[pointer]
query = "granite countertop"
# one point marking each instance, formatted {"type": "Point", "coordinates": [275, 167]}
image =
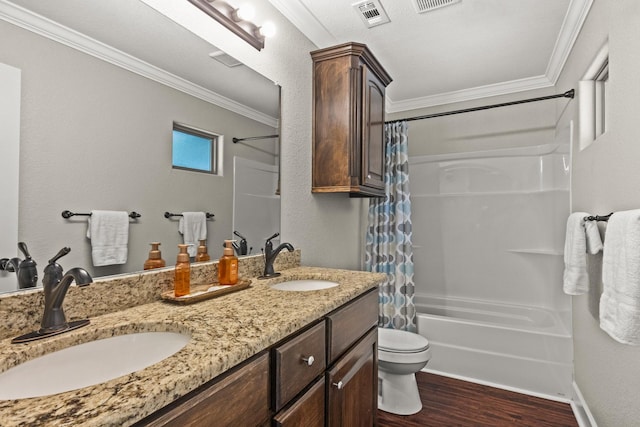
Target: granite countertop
{"type": "Point", "coordinates": [224, 332]}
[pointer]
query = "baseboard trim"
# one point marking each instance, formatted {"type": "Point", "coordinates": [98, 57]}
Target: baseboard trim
{"type": "Point", "coordinates": [502, 386]}
{"type": "Point", "coordinates": [581, 409]}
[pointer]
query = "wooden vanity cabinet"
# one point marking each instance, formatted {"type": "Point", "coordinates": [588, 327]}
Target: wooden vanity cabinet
{"type": "Point", "coordinates": [348, 121]}
{"type": "Point", "coordinates": [350, 385]}
{"type": "Point", "coordinates": [239, 397]}
{"type": "Point", "coordinates": [325, 375]}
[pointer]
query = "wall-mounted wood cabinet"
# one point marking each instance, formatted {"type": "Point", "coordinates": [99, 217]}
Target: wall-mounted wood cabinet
{"type": "Point", "coordinates": [348, 121]}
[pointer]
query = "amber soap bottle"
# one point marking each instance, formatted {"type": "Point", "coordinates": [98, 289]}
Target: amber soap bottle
{"type": "Point", "coordinates": [155, 258]}
{"type": "Point", "coordinates": [202, 254]}
{"type": "Point", "coordinates": [182, 280]}
{"type": "Point", "coordinates": [228, 265]}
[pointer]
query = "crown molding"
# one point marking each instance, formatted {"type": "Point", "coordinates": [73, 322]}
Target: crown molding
{"type": "Point", "coordinates": [571, 26]}
{"type": "Point", "coordinates": [504, 88]}
{"type": "Point", "coordinates": [577, 12]}
{"type": "Point", "coordinates": [30, 21]}
{"type": "Point", "coordinates": [305, 21]}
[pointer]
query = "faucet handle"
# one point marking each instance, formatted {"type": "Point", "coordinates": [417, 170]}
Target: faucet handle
{"type": "Point", "coordinates": [23, 248]}
{"type": "Point", "coordinates": [273, 237]}
{"type": "Point", "coordinates": [62, 252]}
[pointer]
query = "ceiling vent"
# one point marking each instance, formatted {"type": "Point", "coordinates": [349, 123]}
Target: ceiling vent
{"type": "Point", "coordinates": [371, 12]}
{"type": "Point", "coordinates": [227, 60]}
{"type": "Point", "coordinates": [423, 6]}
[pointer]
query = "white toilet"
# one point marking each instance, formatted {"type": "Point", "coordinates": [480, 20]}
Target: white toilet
{"type": "Point", "coordinates": [400, 355]}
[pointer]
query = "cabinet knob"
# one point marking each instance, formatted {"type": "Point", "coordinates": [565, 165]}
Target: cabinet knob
{"type": "Point", "coordinates": [309, 360]}
{"type": "Point", "coordinates": [369, 176]}
{"type": "Point", "coordinates": [338, 385]}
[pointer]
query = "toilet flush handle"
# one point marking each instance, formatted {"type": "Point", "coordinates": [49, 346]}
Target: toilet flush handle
{"type": "Point", "coordinates": [309, 360]}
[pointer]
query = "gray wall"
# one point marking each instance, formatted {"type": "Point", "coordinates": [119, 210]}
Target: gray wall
{"type": "Point", "coordinates": [606, 177]}
{"type": "Point", "coordinates": [95, 136]}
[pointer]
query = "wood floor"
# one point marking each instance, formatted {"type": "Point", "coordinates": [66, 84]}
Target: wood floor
{"type": "Point", "coordinates": [448, 402]}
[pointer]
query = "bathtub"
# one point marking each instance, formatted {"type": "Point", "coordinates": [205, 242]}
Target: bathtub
{"type": "Point", "coordinates": [521, 348]}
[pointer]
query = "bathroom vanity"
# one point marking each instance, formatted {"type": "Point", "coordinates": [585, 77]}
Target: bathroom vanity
{"type": "Point", "coordinates": [336, 357]}
{"type": "Point", "coordinates": [254, 357]}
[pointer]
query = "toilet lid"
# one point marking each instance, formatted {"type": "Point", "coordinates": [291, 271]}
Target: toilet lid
{"type": "Point", "coordinates": [401, 341]}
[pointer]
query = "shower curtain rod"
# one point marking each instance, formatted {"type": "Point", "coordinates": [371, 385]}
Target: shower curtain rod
{"type": "Point", "coordinates": [567, 94]}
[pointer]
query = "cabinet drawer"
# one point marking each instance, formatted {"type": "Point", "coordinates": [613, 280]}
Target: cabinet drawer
{"type": "Point", "coordinates": [307, 411]}
{"type": "Point", "coordinates": [238, 399]}
{"type": "Point", "coordinates": [298, 362]}
{"type": "Point", "coordinates": [351, 322]}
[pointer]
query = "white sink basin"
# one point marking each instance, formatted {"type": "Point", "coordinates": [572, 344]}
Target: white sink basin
{"type": "Point", "coordinates": [304, 285]}
{"type": "Point", "coordinates": [88, 364]}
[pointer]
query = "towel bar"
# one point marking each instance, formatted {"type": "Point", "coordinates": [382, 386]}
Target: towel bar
{"type": "Point", "coordinates": [598, 217]}
{"type": "Point", "coordinates": [169, 215]}
{"type": "Point", "coordinates": [69, 214]}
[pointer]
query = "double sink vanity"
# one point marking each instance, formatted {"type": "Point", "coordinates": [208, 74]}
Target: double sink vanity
{"type": "Point", "coordinates": [259, 356]}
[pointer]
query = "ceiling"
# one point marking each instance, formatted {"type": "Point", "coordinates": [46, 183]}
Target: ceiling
{"type": "Point", "coordinates": [466, 50]}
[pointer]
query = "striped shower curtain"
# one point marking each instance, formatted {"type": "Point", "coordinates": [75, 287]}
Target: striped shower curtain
{"type": "Point", "coordinates": [388, 239]}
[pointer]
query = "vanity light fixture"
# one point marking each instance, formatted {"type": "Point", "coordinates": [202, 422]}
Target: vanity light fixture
{"type": "Point", "coordinates": [237, 20]}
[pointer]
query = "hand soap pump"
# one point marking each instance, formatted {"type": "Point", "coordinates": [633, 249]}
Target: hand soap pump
{"type": "Point", "coordinates": [202, 254]}
{"type": "Point", "coordinates": [182, 279]}
{"type": "Point", "coordinates": [155, 258]}
{"type": "Point", "coordinates": [228, 265]}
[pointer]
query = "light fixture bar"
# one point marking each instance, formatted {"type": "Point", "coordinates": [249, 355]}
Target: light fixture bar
{"type": "Point", "coordinates": [226, 15]}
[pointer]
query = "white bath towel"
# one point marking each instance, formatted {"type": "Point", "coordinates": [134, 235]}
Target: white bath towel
{"type": "Point", "coordinates": [594, 241]}
{"type": "Point", "coordinates": [193, 227]}
{"type": "Point", "coordinates": [576, 278]}
{"type": "Point", "coordinates": [620, 300]}
{"type": "Point", "coordinates": [109, 234]}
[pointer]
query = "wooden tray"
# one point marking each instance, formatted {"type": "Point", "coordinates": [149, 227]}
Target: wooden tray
{"type": "Point", "coordinates": [202, 292]}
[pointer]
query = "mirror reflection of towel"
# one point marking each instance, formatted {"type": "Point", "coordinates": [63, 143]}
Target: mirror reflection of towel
{"type": "Point", "coordinates": [109, 234]}
{"type": "Point", "coordinates": [193, 227]}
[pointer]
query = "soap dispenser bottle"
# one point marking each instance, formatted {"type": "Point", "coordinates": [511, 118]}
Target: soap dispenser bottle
{"type": "Point", "coordinates": [155, 257]}
{"type": "Point", "coordinates": [228, 265]}
{"type": "Point", "coordinates": [202, 254]}
{"type": "Point", "coordinates": [182, 280]}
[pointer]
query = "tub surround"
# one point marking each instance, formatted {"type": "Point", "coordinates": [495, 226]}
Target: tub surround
{"type": "Point", "coordinates": [224, 332]}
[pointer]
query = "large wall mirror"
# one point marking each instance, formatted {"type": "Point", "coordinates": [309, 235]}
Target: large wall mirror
{"type": "Point", "coordinates": [101, 85]}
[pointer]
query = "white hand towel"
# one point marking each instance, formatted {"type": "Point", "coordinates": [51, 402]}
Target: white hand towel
{"type": "Point", "coordinates": [576, 278]}
{"type": "Point", "coordinates": [193, 227]}
{"type": "Point", "coordinates": [620, 300]}
{"type": "Point", "coordinates": [594, 241]}
{"type": "Point", "coordinates": [109, 234]}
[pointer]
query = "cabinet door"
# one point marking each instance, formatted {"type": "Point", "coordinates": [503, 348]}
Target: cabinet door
{"type": "Point", "coordinates": [238, 399]}
{"type": "Point", "coordinates": [353, 385]}
{"type": "Point", "coordinates": [308, 411]}
{"type": "Point", "coordinates": [373, 141]}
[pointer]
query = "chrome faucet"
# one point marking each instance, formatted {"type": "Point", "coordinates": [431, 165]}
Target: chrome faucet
{"type": "Point", "coordinates": [55, 289]}
{"type": "Point", "coordinates": [25, 269]}
{"type": "Point", "coordinates": [270, 255]}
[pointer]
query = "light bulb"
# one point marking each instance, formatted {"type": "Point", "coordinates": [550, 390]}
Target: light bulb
{"type": "Point", "coordinates": [246, 12]}
{"type": "Point", "coordinates": [268, 29]}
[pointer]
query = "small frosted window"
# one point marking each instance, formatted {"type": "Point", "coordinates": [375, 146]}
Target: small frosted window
{"type": "Point", "coordinates": [194, 149]}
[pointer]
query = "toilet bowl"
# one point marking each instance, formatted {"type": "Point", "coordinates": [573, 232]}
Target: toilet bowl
{"type": "Point", "coordinates": [400, 355]}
